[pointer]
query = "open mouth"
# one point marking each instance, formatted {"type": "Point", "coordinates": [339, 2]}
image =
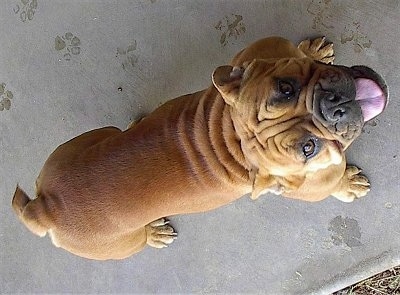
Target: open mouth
{"type": "Point", "coordinates": [345, 98]}
{"type": "Point", "coordinates": [371, 91]}
{"type": "Point", "coordinates": [370, 97]}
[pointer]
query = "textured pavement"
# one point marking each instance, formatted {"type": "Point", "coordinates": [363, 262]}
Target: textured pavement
{"type": "Point", "coordinates": [70, 66]}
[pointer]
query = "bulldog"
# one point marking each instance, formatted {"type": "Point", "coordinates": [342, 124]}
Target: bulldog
{"type": "Point", "coordinates": [277, 119]}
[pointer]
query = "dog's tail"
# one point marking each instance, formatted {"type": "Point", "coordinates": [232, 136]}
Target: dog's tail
{"type": "Point", "coordinates": [29, 211]}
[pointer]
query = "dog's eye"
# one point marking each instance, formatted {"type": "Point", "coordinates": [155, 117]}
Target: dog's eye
{"type": "Point", "coordinates": [286, 88]}
{"type": "Point", "coordinates": [309, 148]}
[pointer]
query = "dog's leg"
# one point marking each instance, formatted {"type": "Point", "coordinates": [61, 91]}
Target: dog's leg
{"type": "Point", "coordinates": [318, 50]}
{"type": "Point", "coordinates": [352, 185]}
{"type": "Point", "coordinates": [160, 234]}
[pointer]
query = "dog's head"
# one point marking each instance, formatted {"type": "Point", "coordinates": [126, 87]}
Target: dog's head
{"type": "Point", "coordinates": [295, 116]}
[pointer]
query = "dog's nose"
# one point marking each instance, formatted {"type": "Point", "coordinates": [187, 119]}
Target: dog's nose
{"type": "Point", "coordinates": [337, 111]}
{"type": "Point", "coordinates": [335, 107]}
{"type": "Point", "coordinates": [335, 97]}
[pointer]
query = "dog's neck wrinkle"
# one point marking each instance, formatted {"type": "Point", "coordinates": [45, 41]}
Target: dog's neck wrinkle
{"type": "Point", "coordinates": [223, 133]}
{"type": "Point", "coordinates": [214, 148]}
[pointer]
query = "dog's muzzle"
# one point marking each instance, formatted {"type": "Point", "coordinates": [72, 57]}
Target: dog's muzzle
{"type": "Point", "coordinates": [345, 98]}
{"type": "Point", "coordinates": [335, 105]}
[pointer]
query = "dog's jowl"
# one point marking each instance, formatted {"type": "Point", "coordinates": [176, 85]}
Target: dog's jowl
{"type": "Point", "coordinates": [277, 119]}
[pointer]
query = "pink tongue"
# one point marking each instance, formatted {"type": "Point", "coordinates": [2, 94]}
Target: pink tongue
{"type": "Point", "coordinates": [371, 98]}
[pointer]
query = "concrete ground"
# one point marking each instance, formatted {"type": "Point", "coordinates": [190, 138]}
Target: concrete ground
{"type": "Point", "coordinates": [70, 66]}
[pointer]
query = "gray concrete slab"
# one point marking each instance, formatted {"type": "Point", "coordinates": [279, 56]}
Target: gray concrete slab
{"type": "Point", "coordinates": [76, 65]}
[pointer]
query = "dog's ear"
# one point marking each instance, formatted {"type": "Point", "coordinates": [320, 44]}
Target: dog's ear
{"type": "Point", "coordinates": [265, 183]}
{"type": "Point", "coordinates": [227, 80]}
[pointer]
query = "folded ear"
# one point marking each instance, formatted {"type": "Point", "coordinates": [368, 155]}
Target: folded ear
{"type": "Point", "coordinates": [265, 184]}
{"type": "Point", "coordinates": [275, 184]}
{"type": "Point", "coordinates": [227, 80]}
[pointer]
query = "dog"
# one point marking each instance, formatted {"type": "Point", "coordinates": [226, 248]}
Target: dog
{"type": "Point", "coordinates": [277, 119]}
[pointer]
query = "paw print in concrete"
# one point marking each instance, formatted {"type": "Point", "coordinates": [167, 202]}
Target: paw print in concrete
{"type": "Point", "coordinates": [5, 96]}
{"type": "Point", "coordinates": [68, 44]}
{"type": "Point", "coordinates": [345, 231]}
{"type": "Point", "coordinates": [231, 27]}
{"type": "Point", "coordinates": [26, 9]}
{"type": "Point", "coordinates": [353, 34]}
{"type": "Point", "coordinates": [127, 56]}
{"type": "Point", "coordinates": [322, 14]}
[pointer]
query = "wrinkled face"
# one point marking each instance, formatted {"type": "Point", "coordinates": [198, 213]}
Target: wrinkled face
{"type": "Point", "coordinates": [294, 116]}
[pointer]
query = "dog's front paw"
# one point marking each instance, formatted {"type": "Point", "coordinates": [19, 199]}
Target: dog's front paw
{"type": "Point", "coordinates": [318, 50]}
{"type": "Point", "coordinates": [353, 185]}
{"type": "Point", "coordinates": [160, 234]}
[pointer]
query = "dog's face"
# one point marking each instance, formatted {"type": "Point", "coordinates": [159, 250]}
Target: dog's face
{"type": "Point", "coordinates": [295, 116]}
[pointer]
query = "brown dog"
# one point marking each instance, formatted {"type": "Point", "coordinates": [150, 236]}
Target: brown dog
{"type": "Point", "coordinates": [278, 119]}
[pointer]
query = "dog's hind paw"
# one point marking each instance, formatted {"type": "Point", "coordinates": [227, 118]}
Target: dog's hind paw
{"type": "Point", "coordinates": [318, 50]}
{"type": "Point", "coordinates": [160, 234]}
